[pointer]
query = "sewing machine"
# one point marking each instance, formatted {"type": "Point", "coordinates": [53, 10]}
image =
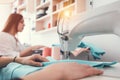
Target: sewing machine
{"type": "Point", "coordinates": [103, 20]}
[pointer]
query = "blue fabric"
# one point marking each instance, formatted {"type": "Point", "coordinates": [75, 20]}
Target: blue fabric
{"type": "Point", "coordinates": [14, 70]}
{"type": "Point", "coordinates": [90, 63]}
{"type": "Point", "coordinates": [96, 52]}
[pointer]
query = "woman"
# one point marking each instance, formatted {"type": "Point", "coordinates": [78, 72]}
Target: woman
{"type": "Point", "coordinates": [9, 43]}
{"type": "Point", "coordinates": [56, 71]}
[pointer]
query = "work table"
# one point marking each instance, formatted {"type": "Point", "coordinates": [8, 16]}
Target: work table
{"type": "Point", "coordinates": [110, 73]}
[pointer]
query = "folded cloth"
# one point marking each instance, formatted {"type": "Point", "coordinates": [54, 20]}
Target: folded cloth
{"type": "Point", "coordinates": [16, 70]}
{"type": "Point", "coordinates": [95, 51]}
{"type": "Point", "coordinates": [90, 63]}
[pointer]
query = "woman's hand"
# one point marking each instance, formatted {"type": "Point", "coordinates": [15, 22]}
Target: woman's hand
{"type": "Point", "coordinates": [28, 51]}
{"type": "Point", "coordinates": [73, 71]}
{"type": "Point", "coordinates": [33, 60]}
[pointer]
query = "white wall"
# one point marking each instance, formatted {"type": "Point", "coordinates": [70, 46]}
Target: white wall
{"type": "Point", "coordinates": [25, 35]}
{"type": "Point", "coordinates": [5, 10]}
{"type": "Point", "coordinates": [45, 38]}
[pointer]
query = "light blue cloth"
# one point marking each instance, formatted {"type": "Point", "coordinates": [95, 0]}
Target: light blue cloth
{"type": "Point", "coordinates": [96, 52]}
{"type": "Point", "coordinates": [14, 70]}
{"type": "Point", "coordinates": [90, 63]}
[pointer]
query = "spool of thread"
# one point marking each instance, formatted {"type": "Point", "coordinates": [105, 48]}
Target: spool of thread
{"type": "Point", "coordinates": [46, 52]}
{"type": "Point", "coordinates": [55, 53]}
{"type": "Point", "coordinates": [49, 25]}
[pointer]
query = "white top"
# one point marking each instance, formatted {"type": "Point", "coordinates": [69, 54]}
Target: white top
{"type": "Point", "coordinates": [9, 46]}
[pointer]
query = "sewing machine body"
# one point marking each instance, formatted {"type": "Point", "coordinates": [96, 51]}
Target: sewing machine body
{"type": "Point", "coordinates": [103, 20]}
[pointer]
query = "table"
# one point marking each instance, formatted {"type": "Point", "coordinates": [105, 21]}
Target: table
{"type": "Point", "coordinates": [110, 73]}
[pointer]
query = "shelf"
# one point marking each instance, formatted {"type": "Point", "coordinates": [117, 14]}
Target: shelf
{"type": "Point", "coordinates": [46, 4]}
{"type": "Point", "coordinates": [56, 1]}
{"type": "Point", "coordinates": [47, 30]}
{"type": "Point", "coordinates": [54, 8]}
{"type": "Point", "coordinates": [71, 5]}
{"type": "Point", "coordinates": [43, 18]}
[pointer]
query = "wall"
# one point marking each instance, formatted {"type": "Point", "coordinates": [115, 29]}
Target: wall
{"type": "Point", "coordinates": [44, 38]}
{"type": "Point", "coordinates": [5, 10]}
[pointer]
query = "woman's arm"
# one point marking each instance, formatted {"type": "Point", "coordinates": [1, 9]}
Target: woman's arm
{"type": "Point", "coordinates": [30, 60]}
{"type": "Point", "coordinates": [5, 60]}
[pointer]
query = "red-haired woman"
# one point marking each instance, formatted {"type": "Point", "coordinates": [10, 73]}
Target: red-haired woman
{"type": "Point", "coordinates": [9, 43]}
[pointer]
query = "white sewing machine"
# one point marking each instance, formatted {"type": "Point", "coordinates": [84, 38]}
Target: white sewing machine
{"type": "Point", "coordinates": [97, 21]}
{"type": "Point", "coordinates": [103, 20]}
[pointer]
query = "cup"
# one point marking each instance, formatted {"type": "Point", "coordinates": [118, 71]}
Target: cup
{"type": "Point", "coordinates": [46, 52]}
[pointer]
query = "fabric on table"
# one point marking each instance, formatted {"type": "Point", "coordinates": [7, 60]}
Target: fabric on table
{"type": "Point", "coordinates": [14, 70]}
{"type": "Point", "coordinates": [90, 63]}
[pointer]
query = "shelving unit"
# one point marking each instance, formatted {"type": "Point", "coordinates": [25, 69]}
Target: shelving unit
{"type": "Point", "coordinates": [47, 11]}
{"type": "Point", "coordinates": [43, 5]}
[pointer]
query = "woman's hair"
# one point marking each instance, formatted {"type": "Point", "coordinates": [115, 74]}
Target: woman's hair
{"type": "Point", "coordinates": [12, 22]}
